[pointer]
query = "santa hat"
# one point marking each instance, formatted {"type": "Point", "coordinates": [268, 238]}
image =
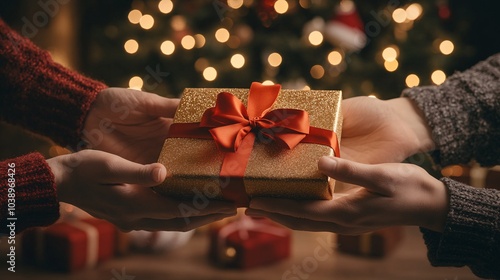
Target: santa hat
{"type": "Point", "coordinates": [346, 29]}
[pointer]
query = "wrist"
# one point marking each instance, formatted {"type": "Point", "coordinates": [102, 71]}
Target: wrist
{"type": "Point", "coordinates": [437, 205]}
{"type": "Point", "coordinates": [413, 117]}
{"type": "Point", "coordinates": [57, 167]}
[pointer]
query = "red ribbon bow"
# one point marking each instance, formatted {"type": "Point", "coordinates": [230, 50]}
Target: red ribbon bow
{"type": "Point", "coordinates": [234, 129]}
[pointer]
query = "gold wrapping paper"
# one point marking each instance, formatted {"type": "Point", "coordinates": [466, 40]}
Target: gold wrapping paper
{"type": "Point", "coordinates": [193, 165]}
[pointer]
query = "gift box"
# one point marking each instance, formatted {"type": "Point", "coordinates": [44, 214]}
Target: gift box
{"type": "Point", "coordinates": [248, 242]}
{"type": "Point", "coordinates": [69, 245]}
{"type": "Point", "coordinates": [378, 243]}
{"type": "Point", "coordinates": [235, 144]}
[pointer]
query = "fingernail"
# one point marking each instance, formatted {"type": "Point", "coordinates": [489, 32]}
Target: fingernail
{"type": "Point", "coordinates": [158, 174]}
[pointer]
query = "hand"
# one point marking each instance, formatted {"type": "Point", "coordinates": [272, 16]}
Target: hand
{"type": "Point", "coordinates": [392, 194]}
{"type": "Point", "coordinates": [129, 123]}
{"type": "Point", "coordinates": [376, 131]}
{"type": "Point", "coordinates": [117, 190]}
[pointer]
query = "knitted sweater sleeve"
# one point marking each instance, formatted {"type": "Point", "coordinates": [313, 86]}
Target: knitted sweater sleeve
{"type": "Point", "coordinates": [46, 98]}
{"type": "Point", "coordinates": [464, 116]}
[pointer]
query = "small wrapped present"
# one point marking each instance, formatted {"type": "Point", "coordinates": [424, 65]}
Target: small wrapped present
{"type": "Point", "coordinates": [70, 245]}
{"type": "Point", "coordinates": [378, 243]}
{"type": "Point", "coordinates": [248, 242]}
{"type": "Point", "coordinates": [235, 144]}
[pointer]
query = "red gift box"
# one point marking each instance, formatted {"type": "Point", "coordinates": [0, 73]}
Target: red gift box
{"type": "Point", "coordinates": [372, 244]}
{"type": "Point", "coordinates": [249, 242]}
{"type": "Point", "coordinates": [70, 245]}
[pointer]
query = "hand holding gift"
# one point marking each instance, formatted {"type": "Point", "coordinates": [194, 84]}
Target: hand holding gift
{"type": "Point", "coordinates": [112, 188]}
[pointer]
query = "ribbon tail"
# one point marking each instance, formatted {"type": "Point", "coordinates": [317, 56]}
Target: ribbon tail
{"type": "Point", "coordinates": [323, 137]}
{"type": "Point", "coordinates": [232, 172]}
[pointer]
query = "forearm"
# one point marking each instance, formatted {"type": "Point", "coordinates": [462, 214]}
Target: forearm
{"type": "Point", "coordinates": [39, 94]}
{"type": "Point", "coordinates": [463, 114]}
{"type": "Point", "coordinates": [31, 190]}
{"type": "Point", "coordinates": [471, 234]}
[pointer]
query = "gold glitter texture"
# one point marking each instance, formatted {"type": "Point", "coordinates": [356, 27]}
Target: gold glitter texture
{"type": "Point", "coordinates": [193, 165]}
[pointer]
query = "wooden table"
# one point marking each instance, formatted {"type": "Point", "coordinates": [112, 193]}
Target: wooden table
{"type": "Point", "coordinates": [190, 262]}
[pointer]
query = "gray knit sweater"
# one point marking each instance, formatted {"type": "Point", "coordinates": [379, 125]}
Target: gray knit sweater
{"type": "Point", "coordinates": [464, 116]}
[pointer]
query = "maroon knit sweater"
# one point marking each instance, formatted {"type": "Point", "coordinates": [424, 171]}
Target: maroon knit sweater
{"type": "Point", "coordinates": [46, 98]}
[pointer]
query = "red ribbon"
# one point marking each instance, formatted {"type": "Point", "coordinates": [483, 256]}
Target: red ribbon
{"type": "Point", "coordinates": [234, 129]}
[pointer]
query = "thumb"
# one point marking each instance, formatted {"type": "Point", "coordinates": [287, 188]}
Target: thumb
{"type": "Point", "coordinates": [159, 106]}
{"type": "Point", "coordinates": [123, 171]}
{"type": "Point", "coordinates": [365, 175]}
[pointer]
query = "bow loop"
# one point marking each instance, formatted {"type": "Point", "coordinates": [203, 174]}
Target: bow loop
{"type": "Point", "coordinates": [230, 123]}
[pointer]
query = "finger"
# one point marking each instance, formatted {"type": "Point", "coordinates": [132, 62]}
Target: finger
{"type": "Point", "coordinates": [298, 223]}
{"type": "Point", "coordinates": [318, 210]}
{"type": "Point", "coordinates": [179, 224]}
{"type": "Point", "coordinates": [159, 106]}
{"type": "Point", "coordinates": [117, 170]}
{"type": "Point", "coordinates": [371, 177]}
{"type": "Point", "coordinates": [140, 202]}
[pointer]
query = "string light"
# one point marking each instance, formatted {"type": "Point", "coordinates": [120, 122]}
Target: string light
{"type": "Point", "coordinates": [165, 6]}
{"type": "Point", "coordinates": [317, 71]}
{"type": "Point", "coordinates": [134, 16]}
{"type": "Point", "coordinates": [390, 54]}
{"type": "Point", "coordinates": [274, 59]}
{"type": "Point", "coordinates": [200, 40]}
{"type": "Point", "coordinates": [315, 38]}
{"type": "Point", "coordinates": [335, 58]}
{"type": "Point", "coordinates": [222, 35]}
{"type": "Point", "coordinates": [209, 74]}
{"type": "Point", "coordinates": [306, 87]}
{"type": "Point", "coordinates": [438, 77]}
{"type": "Point", "coordinates": [268, 83]}
{"type": "Point", "coordinates": [235, 4]}
{"type": "Point", "coordinates": [446, 47]}
{"type": "Point", "coordinates": [399, 15]}
{"type": "Point", "coordinates": [414, 11]}
{"type": "Point", "coordinates": [131, 46]}
{"type": "Point", "coordinates": [372, 96]}
{"type": "Point", "coordinates": [178, 23]}
{"type": "Point", "coordinates": [147, 22]}
{"type": "Point", "coordinates": [188, 42]}
{"type": "Point", "coordinates": [167, 47]}
{"type": "Point", "coordinates": [304, 4]}
{"type": "Point", "coordinates": [136, 82]}
{"type": "Point", "coordinates": [412, 80]}
{"type": "Point", "coordinates": [391, 66]}
{"type": "Point", "coordinates": [200, 64]}
{"type": "Point", "coordinates": [237, 61]}
{"type": "Point", "coordinates": [281, 6]}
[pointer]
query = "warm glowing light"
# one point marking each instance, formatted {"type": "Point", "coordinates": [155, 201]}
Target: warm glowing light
{"type": "Point", "coordinates": [134, 16]}
{"type": "Point", "coordinates": [136, 82]}
{"type": "Point", "coordinates": [200, 64]}
{"type": "Point", "coordinates": [317, 71]}
{"type": "Point", "coordinates": [268, 83]}
{"type": "Point", "coordinates": [399, 15]}
{"type": "Point", "coordinates": [147, 21]}
{"type": "Point", "coordinates": [230, 252]}
{"type": "Point", "coordinates": [304, 4]}
{"type": "Point", "coordinates": [389, 54]}
{"type": "Point", "coordinates": [222, 35]}
{"type": "Point", "coordinates": [306, 87]}
{"type": "Point", "coordinates": [237, 61]}
{"type": "Point", "coordinates": [188, 42]}
{"type": "Point", "coordinates": [178, 23]}
{"type": "Point", "coordinates": [335, 58]}
{"type": "Point", "coordinates": [391, 66]}
{"type": "Point", "coordinates": [235, 4]}
{"type": "Point", "coordinates": [274, 59]}
{"type": "Point", "coordinates": [414, 11]}
{"type": "Point", "coordinates": [209, 74]}
{"type": "Point", "coordinates": [446, 47]}
{"type": "Point", "coordinates": [131, 46]}
{"type": "Point", "coordinates": [315, 38]}
{"type": "Point", "coordinates": [412, 80]}
{"type": "Point", "coordinates": [438, 77]}
{"type": "Point", "coordinates": [165, 6]}
{"type": "Point", "coordinates": [372, 96]}
{"type": "Point", "coordinates": [200, 40]}
{"type": "Point", "coordinates": [167, 47]}
{"type": "Point", "coordinates": [281, 6]}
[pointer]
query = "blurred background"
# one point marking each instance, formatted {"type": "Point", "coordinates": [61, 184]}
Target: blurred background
{"type": "Point", "coordinates": [373, 48]}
